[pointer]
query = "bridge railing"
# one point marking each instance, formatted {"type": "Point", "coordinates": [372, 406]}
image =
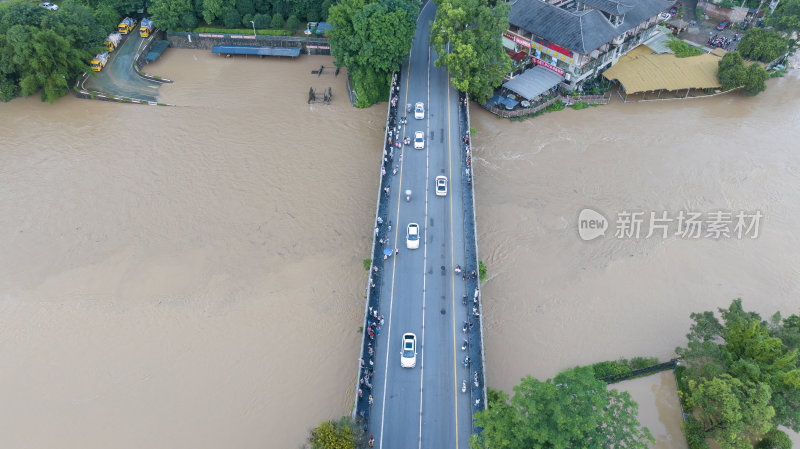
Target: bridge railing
{"type": "Point", "coordinates": [361, 407]}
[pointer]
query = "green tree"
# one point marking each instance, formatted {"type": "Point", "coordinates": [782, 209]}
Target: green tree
{"type": "Point", "coordinates": [732, 412]}
{"type": "Point", "coordinates": [324, 8]}
{"type": "Point", "coordinates": [246, 7]}
{"type": "Point", "coordinates": [46, 61]}
{"type": "Point", "coordinates": [106, 16]}
{"type": "Point", "coordinates": [172, 14]}
{"type": "Point", "coordinates": [231, 18]}
{"type": "Point", "coordinates": [786, 16]}
{"type": "Point", "coordinates": [744, 347]}
{"type": "Point", "coordinates": [466, 36]}
{"type": "Point", "coordinates": [731, 72]}
{"type": "Point", "coordinates": [277, 21]}
{"type": "Point", "coordinates": [342, 434]}
{"type": "Point", "coordinates": [572, 410]}
{"type": "Point", "coordinates": [775, 439]}
{"type": "Point", "coordinates": [762, 45]}
{"type": "Point", "coordinates": [262, 20]}
{"type": "Point", "coordinates": [292, 22]}
{"type": "Point", "coordinates": [372, 40]}
{"type": "Point", "coordinates": [755, 79]}
{"type": "Point", "coordinates": [212, 10]}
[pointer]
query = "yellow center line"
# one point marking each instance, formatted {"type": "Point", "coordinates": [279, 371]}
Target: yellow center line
{"type": "Point", "coordinates": [452, 257]}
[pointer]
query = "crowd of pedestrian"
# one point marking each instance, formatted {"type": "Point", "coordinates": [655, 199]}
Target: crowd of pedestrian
{"type": "Point", "coordinates": [722, 41]}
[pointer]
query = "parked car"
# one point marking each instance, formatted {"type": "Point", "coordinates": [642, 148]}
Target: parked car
{"type": "Point", "coordinates": [419, 140]}
{"type": "Point", "coordinates": [722, 25]}
{"type": "Point", "coordinates": [673, 11]}
{"type": "Point", "coordinates": [48, 5]}
{"type": "Point", "coordinates": [441, 186]}
{"type": "Point", "coordinates": [412, 236]}
{"type": "Point", "coordinates": [408, 355]}
{"type": "Point", "coordinates": [419, 111]}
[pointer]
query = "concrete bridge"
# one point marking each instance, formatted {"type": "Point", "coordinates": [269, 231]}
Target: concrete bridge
{"type": "Point", "coordinates": [418, 290]}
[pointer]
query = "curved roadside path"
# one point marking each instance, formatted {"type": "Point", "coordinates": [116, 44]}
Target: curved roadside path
{"type": "Point", "coordinates": [118, 76]}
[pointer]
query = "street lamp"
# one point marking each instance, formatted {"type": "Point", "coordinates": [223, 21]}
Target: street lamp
{"type": "Point", "coordinates": [254, 27]}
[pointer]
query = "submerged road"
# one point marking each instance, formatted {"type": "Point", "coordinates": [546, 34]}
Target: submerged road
{"type": "Point", "coordinates": [118, 76]}
{"type": "Point", "coordinates": [423, 407]}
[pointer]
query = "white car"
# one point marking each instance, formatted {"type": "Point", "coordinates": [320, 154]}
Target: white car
{"type": "Point", "coordinates": [441, 186]}
{"type": "Point", "coordinates": [412, 236]}
{"type": "Point", "coordinates": [50, 6]}
{"type": "Point", "coordinates": [419, 140]}
{"type": "Point", "coordinates": [408, 356]}
{"type": "Point", "coordinates": [419, 111]}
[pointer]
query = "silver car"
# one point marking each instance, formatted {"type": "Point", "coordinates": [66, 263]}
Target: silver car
{"type": "Point", "coordinates": [408, 355]}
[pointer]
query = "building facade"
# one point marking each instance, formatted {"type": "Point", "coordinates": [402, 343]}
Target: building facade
{"type": "Point", "coordinates": [578, 39]}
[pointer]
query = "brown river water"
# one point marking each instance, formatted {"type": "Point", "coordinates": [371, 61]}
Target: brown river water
{"type": "Point", "coordinates": [191, 276]}
{"type": "Point", "coordinates": [553, 300]}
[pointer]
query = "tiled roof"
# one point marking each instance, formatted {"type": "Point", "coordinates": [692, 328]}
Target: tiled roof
{"type": "Point", "coordinates": [609, 6]}
{"type": "Point", "coordinates": [580, 31]}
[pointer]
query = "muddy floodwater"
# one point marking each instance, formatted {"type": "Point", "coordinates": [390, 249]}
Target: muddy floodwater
{"type": "Point", "coordinates": [553, 301]}
{"type": "Point", "coordinates": [659, 408]}
{"type": "Point", "coordinates": [190, 276]}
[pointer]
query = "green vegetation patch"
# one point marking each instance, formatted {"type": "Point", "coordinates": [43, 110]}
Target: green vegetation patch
{"type": "Point", "coordinates": [682, 49]}
{"type": "Point", "coordinates": [580, 105]}
{"type": "Point", "coordinates": [242, 31]}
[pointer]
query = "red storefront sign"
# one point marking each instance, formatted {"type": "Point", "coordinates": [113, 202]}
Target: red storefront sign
{"type": "Point", "coordinates": [518, 40]}
{"type": "Point", "coordinates": [561, 50]}
{"type": "Point", "coordinates": [547, 66]}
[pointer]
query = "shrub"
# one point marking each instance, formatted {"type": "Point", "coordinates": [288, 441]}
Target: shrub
{"type": "Point", "coordinates": [293, 22]}
{"type": "Point", "coordinates": [605, 369]}
{"type": "Point", "coordinates": [694, 434]}
{"type": "Point", "coordinates": [231, 18]}
{"type": "Point", "coordinates": [481, 271]}
{"type": "Point", "coordinates": [580, 105]}
{"type": "Point", "coordinates": [682, 49]}
{"type": "Point", "coordinates": [277, 21]}
{"type": "Point", "coordinates": [241, 31]}
{"type": "Point", "coordinates": [775, 439]}
{"type": "Point", "coordinates": [262, 20]}
{"type": "Point", "coordinates": [643, 362]}
{"type": "Point", "coordinates": [367, 263]}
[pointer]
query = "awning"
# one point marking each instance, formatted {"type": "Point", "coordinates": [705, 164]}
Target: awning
{"type": "Point", "coordinates": [641, 71]}
{"type": "Point", "coordinates": [534, 82]}
{"type": "Point", "coordinates": [156, 50]}
{"type": "Point", "coordinates": [260, 51]}
{"type": "Point", "coordinates": [517, 55]}
{"type": "Point", "coordinates": [502, 102]}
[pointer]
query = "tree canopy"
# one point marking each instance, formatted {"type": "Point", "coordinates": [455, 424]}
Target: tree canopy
{"type": "Point", "coordinates": [466, 35]}
{"type": "Point", "coordinates": [342, 434]}
{"type": "Point", "coordinates": [371, 40]}
{"type": "Point", "coordinates": [45, 51]}
{"type": "Point", "coordinates": [763, 45]}
{"type": "Point", "coordinates": [571, 410]}
{"type": "Point", "coordinates": [743, 379]}
{"type": "Point", "coordinates": [786, 16]}
{"type": "Point", "coordinates": [175, 15]}
{"type": "Point", "coordinates": [733, 73]}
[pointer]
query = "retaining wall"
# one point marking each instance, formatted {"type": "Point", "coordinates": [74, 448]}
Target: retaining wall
{"type": "Point", "coordinates": [206, 41]}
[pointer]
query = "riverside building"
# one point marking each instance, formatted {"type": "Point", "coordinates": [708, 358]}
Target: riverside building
{"type": "Point", "coordinates": [570, 41]}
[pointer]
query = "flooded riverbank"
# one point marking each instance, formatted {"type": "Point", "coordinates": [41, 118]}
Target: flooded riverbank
{"type": "Point", "coordinates": [188, 276]}
{"type": "Point", "coordinates": [553, 301]}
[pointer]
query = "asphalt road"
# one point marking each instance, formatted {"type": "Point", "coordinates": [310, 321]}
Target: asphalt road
{"type": "Point", "coordinates": [423, 407]}
{"type": "Point", "coordinates": [118, 76]}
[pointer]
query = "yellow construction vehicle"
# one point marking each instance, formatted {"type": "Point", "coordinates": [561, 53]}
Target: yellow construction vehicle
{"type": "Point", "coordinates": [112, 41]}
{"type": "Point", "coordinates": [146, 28]}
{"type": "Point", "coordinates": [99, 61]}
{"type": "Point", "coordinates": [126, 25]}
